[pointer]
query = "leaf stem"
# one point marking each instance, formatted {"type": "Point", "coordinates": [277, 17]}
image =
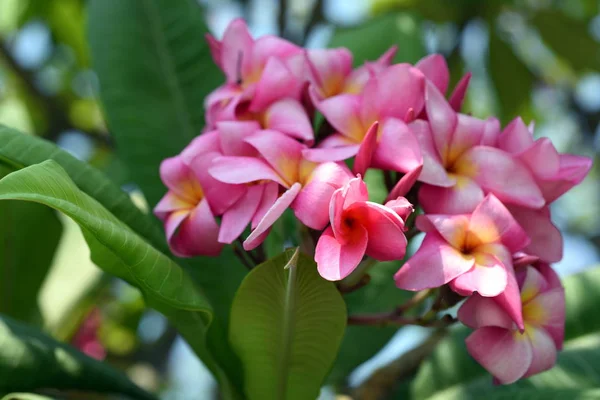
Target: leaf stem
{"type": "Point", "coordinates": [288, 323]}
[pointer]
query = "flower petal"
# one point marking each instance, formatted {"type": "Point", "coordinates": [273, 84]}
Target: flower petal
{"type": "Point", "coordinates": [269, 197]}
{"type": "Point", "coordinates": [546, 239]}
{"type": "Point", "coordinates": [366, 150]}
{"type": "Point", "coordinates": [288, 116]}
{"type": "Point", "coordinates": [462, 198]}
{"type": "Point", "coordinates": [334, 260]}
{"type": "Point", "coordinates": [398, 148]}
{"type": "Point", "coordinates": [281, 152]}
{"type": "Point", "coordinates": [499, 173]}
{"type": "Point", "coordinates": [505, 354]}
{"type": "Point", "coordinates": [179, 178]}
{"type": "Point", "coordinates": [205, 143]}
{"type": "Point", "coordinates": [401, 206]}
{"type": "Point", "coordinates": [435, 69]}
{"type": "Point", "coordinates": [516, 137]}
{"type": "Point", "coordinates": [238, 216]}
{"type": "Point", "coordinates": [342, 112]}
{"type": "Point", "coordinates": [325, 154]}
{"type": "Point", "coordinates": [169, 203]}
{"type": "Point", "coordinates": [572, 171]}
{"type": "Point", "coordinates": [197, 234]}
{"type": "Point", "coordinates": [488, 277]}
{"type": "Point", "coordinates": [283, 202]}
{"type": "Point", "coordinates": [542, 159]}
{"type": "Point", "coordinates": [405, 183]}
{"type": "Point", "coordinates": [458, 94]}
{"type": "Point", "coordinates": [544, 352]}
{"type": "Point", "coordinates": [442, 118]}
{"type": "Point", "coordinates": [236, 48]}
{"type": "Point", "coordinates": [434, 264]}
{"type": "Point", "coordinates": [329, 69]}
{"type": "Point", "coordinates": [479, 311]}
{"type": "Point", "coordinates": [276, 82]}
{"type": "Point", "coordinates": [234, 170]}
{"type": "Point", "coordinates": [553, 319]}
{"type": "Point", "coordinates": [232, 135]}
{"type": "Point", "coordinates": [434, 171]}
{"type": "Point", "coordinates": [453, 228]}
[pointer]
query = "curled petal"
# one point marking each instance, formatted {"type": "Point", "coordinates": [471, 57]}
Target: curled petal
{"type": "Point", "coordinates": [479, 311]}
{"type": "Point", "coordinates": [506, 354]}
{"type": "Point", "coordinates": [288, 116]}
{"type": "Point", "coordinates": [398, 148]}
{"type": "Point", "coordinates": [237, 217]}
{"type": "Point", "coordinates": [195, 235]}
{"type": "Point", "coordinates": [237, 170]}
{"type": "Point", "coordinates": [405, 183]}
{"type": "Point", "coordinates": [435, 69]}
{"type": "Point", "coordinates": [510, 299]}
{"type": "Point", "coordinates": [442, 118]}
{"type": "Point", "coordinates": [325, 154]}
{"type": "Point", "coordinates": [281, 152]}
{"type": "Point", "coordinates": [277, 209]}
{"type": "Point", "coordinates": [269, 197]}
{"type": "Point", "coordinates": [572, 171]}
{"type": "Point", "coordinates": [433, 265]}
{"type": "Point", "coordinates": [546, 239]}
{"type": "Point", "coordinates": [334, 260]}
{"type": "Point", "coordinates": [236, 48]}
{"type": "Point", "coordinates": [366, 150]}
{"type": "Point", "coordinates": [401, 206]}
{"type": "Point", "coordinates": [458, 94]}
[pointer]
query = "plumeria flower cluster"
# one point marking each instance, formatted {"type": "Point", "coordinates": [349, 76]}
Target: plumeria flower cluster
{"type": "Point", "coordinates": [483, 193]}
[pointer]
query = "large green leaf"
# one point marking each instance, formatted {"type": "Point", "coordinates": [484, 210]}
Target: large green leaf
{"type": "Point", "coordinates": [451, 371]}
{"type": "Point", "coordinates": [286, 326]}
{"type": "Point", "coordinates": [24, 226]}
{"type": "Point", "coordinates": [119, 251]}
{"type": "Point", "coordinates": [25, 396]}
{"type": "Point", "coordinates": [512, 79]}
{"type": "Point", "coordinates": [370, 40]}
{"type": "Point", "coordinates": [155, 70]}
{"type": "Point", "coordinates": [569, 38]}
{"type": "Point", "coordinates": [30, 360]}
{"type": "Point", "coordinates": [18, 150]}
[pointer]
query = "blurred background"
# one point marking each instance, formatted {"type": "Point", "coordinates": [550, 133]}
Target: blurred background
{"type": "Point", "coordinates": [536, 58]}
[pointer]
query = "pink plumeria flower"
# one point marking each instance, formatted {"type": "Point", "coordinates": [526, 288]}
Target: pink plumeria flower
{"type": "Point", "coordinates": [394, 146]}
{"type": "Point", "coordinates": [435, 69]}
{"type": "Point", "coordinates": [330, 72]}
{"type": "Point", "coordinates": [554, 173]}
{"type": "Point", "coordinates": [508, 352]}
{"type": "Point", "coordinates": [256, 71]}
{"type": "Point", "coordinates": [471, 252]}
{"type": "Point", "coordinates": [358, 228]}
{"type": "Point", "coordinates": [278, 163]}
{"type": "Point", "coordinates": [460, 164]}
{"type": "Point", "coordinates": [185, 211]}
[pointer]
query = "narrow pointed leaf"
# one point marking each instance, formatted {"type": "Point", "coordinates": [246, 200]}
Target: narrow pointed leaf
{"type": "Point", "coordinates": [286, 326]}
{"type": "Point", "coordinates": [119, 251]}
{"type": "Point", "coordinates": [30, 360]}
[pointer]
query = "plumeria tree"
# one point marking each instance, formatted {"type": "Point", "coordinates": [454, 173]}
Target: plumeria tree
{"type": "Point", "coordinates": [267, 245]}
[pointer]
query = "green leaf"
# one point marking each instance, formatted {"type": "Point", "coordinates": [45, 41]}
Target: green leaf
{"type": "Point", "coordinates": [512, 79]}
{"type": "Point", "coordinates": [25, 396]}
{"type": "Point", "coordinates": [119, 251]}
{"type": "Point", "coordinates": [23, 269]}
{"type": "Point", "coordinates": [18, 150]}
{"type": "Point", "coordinates": [569, 38]}
{"type": "Point", "coordinates": [26, 352]}
{"type": "Point", "coordinates": [286, 326]}
{"type": "Point", "coordinates": [370, 40]}
{"type": "Point", "coordinates": [450, 369]}
{"type": "Point", "coordinates": [155, 70]}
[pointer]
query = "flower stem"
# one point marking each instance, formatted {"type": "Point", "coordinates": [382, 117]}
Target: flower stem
{"type": "Point", "coordinates": [352, 280]}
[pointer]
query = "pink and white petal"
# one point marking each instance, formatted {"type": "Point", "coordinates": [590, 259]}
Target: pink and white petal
{"type": "Point", "coordinates": [405, 183]}
{"type": "Point", "coordinates": [506, 354]}
{"type": "Point", "coordinates": [334, 260]}
{"type": "Point", "coordinates": [442, 118]}
{"type": "Point", "coordinates": [522, 259]}
{"type": "Point", "coordinates": [516, 137]}
{"type": "Point", "coordinates": [572, 171]}
{"type": "Point", "coordinates": [269, 197]}
{"type": "Point", "coordinates": [207, 142]}
{"type": "Point", "coordinates": [533, 285]}
{"type": "Point", "coordinates": [479, 311]}
{"type": "Point", "coordinates": [222, 103]}
{"type": "Point", "coordinates": [336, 208]}
{"type": "Point", "coordinates": [453, 228]}
{"type": "Point", "coordinates": [491, 222]}
{"type": "Point", "coordinates": [510, 299]}
{"type": "Point", "coordinates": [312, 203]}
{"type": "Point", "coordinates": [462, 198]}
{"type": "Point", "coordinates": [289, 117]}
{"type": "Point", "coordinates": [236, 170]}
{"type": "Point", "coordinates": [488, 277]}
{"type": "Point", "coordinates": [220, 195]}
{"type": "Point", "coordinates": [435, 69]}
{"type": "Point", "coordinates": [325, 154]}
{"type": "Point", "coordinates": [401, 206]}
{"type": "Point", "coordinates": [237, 217]}
{"type": "Point", "coordinates": [276, 82]}
{"type": "Point", "coordinates": [180, 179]}
{"type": "Point", "coordinates": [381, 94]}
{"type": "Point", "coordinates": [542, 159]}
{"type": "Point", "coordinates": [434, 264]}
{"type": "Point", "coordinates": [366, 150]}
{"type": "Point", "coordinates": [173, 221]}
{"type": "Point", "coordinates": [546, 239]}
{"type": "Point", "coordinates": [343, 113]}
{"type": "Point", "coordinates": [169, 203]}
{"type": "Point", "coordinates": [467, 134]}
{"type": "Point", "coordinates": [434, 171]}
{"type": "Point", "coordinates": [232, 135]}
{"type": "Point", "coordinates": [355, 191]}
{"type": "Point", "coordinates": [197, 234]}
{"type": "Point", "coordinates": [267, 47]}
{"type": "Point", "coordinates": [385, 230]}
{"type": "Point", "coordinates": [499, 173]}
{"type": "Point", "coordinates": [329, 68]}
{"type": "Point", "coordinates": [236, 48]}
{"type": "Point", "coordinates": [277, 209]}
{"type": "Point", "coordinates": [280, 151]}
{"type": "Point", "coordinates": [552, 319]}
{"type": "Point", "coordinates": [398, 148]}
{"type": "Point", "coordinates": [458, 94]}
{"type": "Point", "coordinates": [544, 351]}
{"type": "Point", "coordinates": [549, 275]}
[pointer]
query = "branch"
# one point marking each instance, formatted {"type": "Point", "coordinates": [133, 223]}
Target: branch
{"type": "Point", "coordinates": [387, 319]}
{"type": "Point", "coordinates": [282, 17]}
{"type": "Point", "coordinates": [382, 381]}
{"type": "Point", "coordinates": [316, 17]}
